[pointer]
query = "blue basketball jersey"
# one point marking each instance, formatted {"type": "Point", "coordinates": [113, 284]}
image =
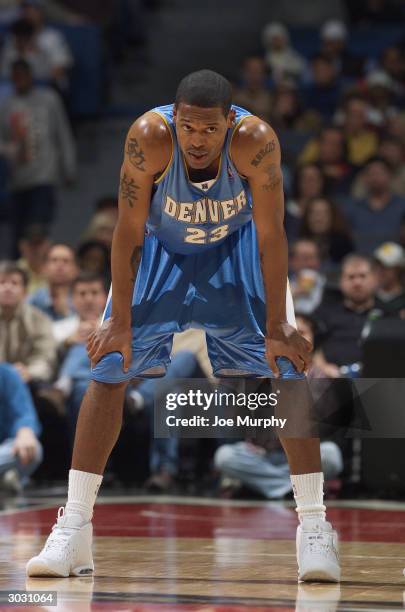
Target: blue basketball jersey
{"type": "Point", "coordinates": [187, 219]}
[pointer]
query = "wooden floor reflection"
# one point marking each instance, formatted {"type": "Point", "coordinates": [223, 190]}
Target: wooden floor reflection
{"type": "Point", "coordinates": [217, 558]}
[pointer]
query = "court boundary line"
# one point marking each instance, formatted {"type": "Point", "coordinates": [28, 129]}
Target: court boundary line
{"type": "Point", "coordinates": [372, 504]}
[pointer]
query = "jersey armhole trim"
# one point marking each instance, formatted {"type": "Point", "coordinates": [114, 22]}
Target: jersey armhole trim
{"type": "Point", "coordinates": [231, 139]}
{"type": "Point", "coordinates": [166, 170]}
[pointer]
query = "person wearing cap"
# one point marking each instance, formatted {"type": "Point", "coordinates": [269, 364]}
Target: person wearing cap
{"type": "Point", "coordinates": [334, 46]}
{"type": "Point", "coordinates": [380, 94]}
{"type": "Point", "coordinates": [390, 268]}
{"type": "Point", "coordinates": [280, 57]}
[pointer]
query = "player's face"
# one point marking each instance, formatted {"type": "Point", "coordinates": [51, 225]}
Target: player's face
{"type": "Point", "coordinates": [201, 133]}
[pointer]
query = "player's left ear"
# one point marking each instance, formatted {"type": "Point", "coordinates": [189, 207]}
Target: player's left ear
{"type": "Point", "coordinates": [230, 120]}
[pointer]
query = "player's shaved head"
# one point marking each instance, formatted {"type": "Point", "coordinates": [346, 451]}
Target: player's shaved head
{"type": "Point", "coordinates": [206, 89]}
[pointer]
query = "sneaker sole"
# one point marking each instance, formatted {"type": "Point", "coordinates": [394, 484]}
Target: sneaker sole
{"type": "Point", "coordinates": [317, 575]}
{"type": "Point", "coordinates": [41, 569]}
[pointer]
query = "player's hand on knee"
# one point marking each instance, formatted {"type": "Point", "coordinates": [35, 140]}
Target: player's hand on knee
{"type": "Point", "coordinates": [283, 340]}
{"type": "Point", "coordinates": [110, 337]}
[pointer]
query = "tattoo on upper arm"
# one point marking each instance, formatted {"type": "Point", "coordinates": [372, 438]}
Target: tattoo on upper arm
{"type": "Point", "coordinates": [128, 189]}
{"type": "Point", "coordinates": [135, 154]}
{"type": "Point", "coordinates": [274, 177]}
{"type": "Point", "coordinates": [135, 261]}
{"type": "Point", "coordinates": [268, 148]}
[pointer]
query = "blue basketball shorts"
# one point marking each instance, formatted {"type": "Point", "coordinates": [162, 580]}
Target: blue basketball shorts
{"type": "Point", "coordinates": [220, 291]}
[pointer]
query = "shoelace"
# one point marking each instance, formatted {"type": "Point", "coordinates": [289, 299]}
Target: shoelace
{"type": "Point", "coordinates": [321, 543]}
{"type": "Point", "coordinates": [58, 539]}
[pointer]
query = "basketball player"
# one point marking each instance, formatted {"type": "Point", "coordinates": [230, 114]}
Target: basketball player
{"type": "Point", "coordinates": [199, 243]}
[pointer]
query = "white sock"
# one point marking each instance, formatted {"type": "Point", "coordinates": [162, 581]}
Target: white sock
{"type": "Point", "coordinates": [308, 495]}
{"type": "Point", "coordinates": [82, 493]}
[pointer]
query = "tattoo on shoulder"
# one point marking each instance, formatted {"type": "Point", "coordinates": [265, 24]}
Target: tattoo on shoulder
{"type": "Point", "coordinates": [128, 189]}
{"type": "Point", "coordinates": [135, 261]}
{"type": "Point", "coordinates": [274, 177]}
{"type": "Point", "coordinates": [135, 154]}
{"type": "Point", "coordinates": [268, 148]}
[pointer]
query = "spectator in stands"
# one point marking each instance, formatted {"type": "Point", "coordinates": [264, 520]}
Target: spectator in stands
{"type": "Point", "coordinates": [45, 48]}
{"type": "Point", "coordinates": [390, 268]}
{"type": "Point", "coordinates": [334, 46]}
{"type": "Point", "coordinates": [309, 182]}
{"type": "Point", "coordinates": [189, 360]}
{"type": "Point", "coordinates": [107, 204]}
{"type": "Point", "coordinates": [11, 9]}
{"type": "Point", "coordinates": [395, 127]}
{"type": "Point", "coordinates": [393, 64]}
{"type": "Point", "coordinates": [361, 140]}
{"type": "Point", "coordinates": [392, 150]}
{"type": "Point", "coordinates": [94, 256]}
{"type": "Point", "coordinates": [101, 227]}
{"type": "Point", "coordinates": [377, 218]}
{"type": "Point", "coordinates": [55, 300]}
{"type": "Point", "coordinates": [323, 91]}
{"type": "Point", "coordinates": [281, 59]}
{"type": "Point", "coordinates": [341, 321]}
{"type": "Point", "coordinates": [88, 297]}
{"type": "Point", "coordinates": [380, 95]}
{"type": "Point", "coordinates": [288, 112]}
{"type": "Point", "coordinates": [323, 223]}
{"type": "Point", "coordinates": [20, 449]}
{"type": "Point", "coordinates": [306, 281]}
{"type": "Point", "coordinates": [34, 128]}
{"type": "Point", "coordinates": [34, 247]}
{"type": "Point", "coordinates": [253, 93]}
{"type": "Point", "coordinates": [26, 339]}
{"type": "Point", "coordinates": [330, 152]}
{"type": "Point", "coordinates": [266, 471]}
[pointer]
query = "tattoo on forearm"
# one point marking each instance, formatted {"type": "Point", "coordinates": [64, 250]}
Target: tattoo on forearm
{"type": "Point", "coordinates": [274, 177]}
{"type": "Point", "coordinates": [128, 189]}
{"type": "Point", "coordinates": [269, 147]}
{"type": "Point", "coordinates": [135, 261]}
{"type": "Point", "coordinates": [135, 154]}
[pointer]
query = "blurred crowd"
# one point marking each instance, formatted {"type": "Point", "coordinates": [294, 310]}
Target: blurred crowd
{"type": "Point", "coordinates": [340, 118]}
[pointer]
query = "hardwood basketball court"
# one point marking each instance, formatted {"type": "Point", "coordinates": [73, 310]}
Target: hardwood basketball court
{"type": "Point", "coordinates": [166, 554]}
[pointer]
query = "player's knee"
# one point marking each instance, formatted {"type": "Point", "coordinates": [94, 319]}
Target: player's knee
{"type": "Point", "coordinates": [331, 459]}
{"type": "Point", "coordinates": [100, 389]}
{"type": "Point", "coordinates": [223, 458]}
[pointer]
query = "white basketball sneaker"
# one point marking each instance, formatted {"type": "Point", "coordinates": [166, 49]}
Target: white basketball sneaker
{"type": "Point", "coordinates": [67, 551]}
{"type": "Point", "coordinates": [317, 552]}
